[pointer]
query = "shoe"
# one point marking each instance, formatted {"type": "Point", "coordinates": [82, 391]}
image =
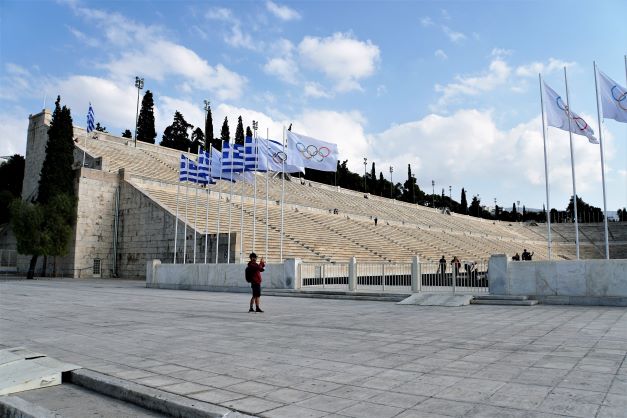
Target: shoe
{"type": "Point", "coordinates": [259, 310]}
{"type": "Point", "coordinates": [251, 310]}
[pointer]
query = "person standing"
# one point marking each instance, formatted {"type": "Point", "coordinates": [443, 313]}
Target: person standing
{"type": "Point", "coordinates": [253, 272]}
{"type": "Point", "coordinates": [442, 268]}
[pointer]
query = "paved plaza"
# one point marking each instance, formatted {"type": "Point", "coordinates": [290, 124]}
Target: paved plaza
{"type": "Point", "coordinates": [330, 358]}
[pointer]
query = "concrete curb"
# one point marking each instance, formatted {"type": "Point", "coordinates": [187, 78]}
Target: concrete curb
{"type": "Point", "coordinates": [14, 407]}
{"type": "Point", "coordinates": [376, 297]}
{"type": "Point", "coordinates": [149, 398]}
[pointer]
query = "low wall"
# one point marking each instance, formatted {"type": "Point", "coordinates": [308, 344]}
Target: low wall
{"type": "Point", "coordinates": [218, 277]}
{"type": "Point", "coordinates": [573, 282]}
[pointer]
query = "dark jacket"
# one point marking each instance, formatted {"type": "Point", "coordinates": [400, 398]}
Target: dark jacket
{"type": "Point", "coordinates": [256, 270]}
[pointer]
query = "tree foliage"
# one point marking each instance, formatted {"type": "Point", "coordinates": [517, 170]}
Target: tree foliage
{"type": "Point", "coordinates": [239, 132]}
{"type": "Point", "coordinates": [198, 140]}
{"type": "Point", "coordinates": [225, 133]}
{"type": "Point", "coordinates": [176, 135]}
{"type": "Point", "coordinates": [101, 128]}
{"type": "Point", "coordinates": [210, 140]}
{"type": "Point", "coordinates": [146, 121]}
{"type": "Point", "coordinates": [127, 134]}
{"type": "Point", "coordinates": [11, 179]}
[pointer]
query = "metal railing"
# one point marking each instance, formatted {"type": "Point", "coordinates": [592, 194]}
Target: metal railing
{"type": "Point", "coordinates": [471, 277]}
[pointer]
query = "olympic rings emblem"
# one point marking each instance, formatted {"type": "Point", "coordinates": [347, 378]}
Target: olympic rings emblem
{"type": "Point", "coordinates": [581, 124]}
{"type": "Point", "coordinates": [621, 98]}
{"type": "Point", "coordinates": [279, 157]}
{"type": "Point", "coordinates": [313, 152]}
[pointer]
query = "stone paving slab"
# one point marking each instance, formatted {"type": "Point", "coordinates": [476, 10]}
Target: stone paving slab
{"type": "Point", "coordinates": [329, 358]}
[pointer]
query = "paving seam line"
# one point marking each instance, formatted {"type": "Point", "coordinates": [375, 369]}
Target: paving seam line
{"type": "Point", "coordinates": [147, 397]}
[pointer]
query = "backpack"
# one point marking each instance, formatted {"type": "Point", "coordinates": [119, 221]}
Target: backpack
{"type": "Point", "coordinates": [249, 275]}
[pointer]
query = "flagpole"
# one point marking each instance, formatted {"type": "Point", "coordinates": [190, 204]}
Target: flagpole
{"type": "Point", "coordinates": [267, 174]}
{"type": "Point", "coordinates": [176, 225]}
{"type": "Point", "coordinates": [572, 164]}
{"type": "Point", "coordinates": [228, 241]}
{"type": "Point", "coordinates": [185, 234]}
{"type": "Point", "coordinates": [596, 88]}
{"type": "Point", "coordinates": [195, 219]}
{"type": "Point", "coordinates": [256, 154]}
{"type": "Point", "coordinates": [209, 179]}
{"type": "Point", "coordinates": [241, 218]}
{"type": "Point", "coordinates": [282, 197]}
{"type": "Point", "coordinates": [219, 209]}
{"type": "Point", "coordinates": [546, 171]}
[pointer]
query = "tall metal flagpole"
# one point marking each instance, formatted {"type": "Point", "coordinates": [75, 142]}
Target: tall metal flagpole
{"type": "Point", "coordinates": [241, 218]}
{"type": "Point", "coordinates": [596, 88]}
{"type": "Point", "coordinates": [176, 225]}
{"type": "Point", "coordinates": [546, 171]}
{"type": "Point", "coordinates": [282, 196]}
{"type": "Point", "coordinates": [185, 234]}
{"type": "Point", "coordinates": [209, 179]}
{"type": "Point", "coordinates": [572, 164]}
{"type": "Point", "coordinates": [228, 250]}
{"type": "Point", "coordinates": [195, 219]}
{"type": "Point", "coordinates": [267, 156]}
{"type": "Point", "coordinates": [219, 207]}
{"type": "Point", "coordinates": [256, 154]}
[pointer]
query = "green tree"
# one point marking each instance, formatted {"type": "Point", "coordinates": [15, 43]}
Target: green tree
{"type": "Point", "coordinates": [239, 132]}
{"type": "Point", "coordinates": [463, 203]}
{"type": "Point", "coordinates": [210, 140]}
{"type": "Point", "coordinates": [176, 135]}
{"type": "Point", "coordinates": [475, 207]}
{"type": "Point", "coordinates": [198, 140]}
{"type": "Point", "coordinates": [622, 215]}
{"type": "Point", "coordinates": [127, 134]}
{"type": "Point", "coordinates": [249, 133]}
{"type": "Point", "coordinates": [373, 179]}
{"type": "Point", "coordinates": [101, 128]}
{"type": "Point", "coordinates": [146, 131]}
{"type": "Point", "coordinates": [225, 133]}
{"type": "Point", "coordinates": [514, 214]}
{"type": "Point", "coordinates": [11, 179]}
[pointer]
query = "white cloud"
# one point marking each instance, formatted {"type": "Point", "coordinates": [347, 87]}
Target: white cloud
{"type": "Point", "coordinates": [341, 58]}
{"type": "Point", "coordinates": [441, 54]}
{"type": "Point", "coordinates": [500, 52]}
{"type": "Point", "coordinates": [496, 75]}
{"type": "Point", "coordinates": [13, 129]}
{"type": "Point", "coordinates": [534, 68]}
{"type": "Point", "coordinates": [426, 22]}
{"type": "Point", "coordinates": [381, 90]}
{"type": "Point", "coordinates": [234, 36]}
{"type": "Point", "coordinates": [282, 12]}
{"type": "Point", "coordinates": [220, 13]}
{"type": "Point", "coordinates": [283, 68]}
{"type": "Point", "coordinates": [455, 37]}
{"type": "Point", "coordinates": [313, 89]}
{"type": "Point", "coordinates": [83, 38]}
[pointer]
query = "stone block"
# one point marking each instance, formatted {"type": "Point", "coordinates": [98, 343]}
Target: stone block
{"type": "Point", "coordinates": [498, 274]}
{"type": "Point", "coordinates": [547, 278]}
{"type": "Point", "coordinates": [522, 278]}
{"type": "Point", "coordinates": [571, 278]}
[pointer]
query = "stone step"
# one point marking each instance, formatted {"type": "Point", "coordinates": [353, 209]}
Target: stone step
{"type": "Point", "coordinates": [507, 302]}
{"type": "Point", "coordinates": [321, 294]}
{"type": "Point", "coordinates": [501, 297]}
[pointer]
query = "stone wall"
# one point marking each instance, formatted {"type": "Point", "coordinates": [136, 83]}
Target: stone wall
{"type": "Point", "coordinates": [577, 282]}
{"type": "Point", "coordinates": [146, 232]}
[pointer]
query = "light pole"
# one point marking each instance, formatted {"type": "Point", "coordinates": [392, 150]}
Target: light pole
{"type": "Point", "coordinates": [496, 214]}
{"type": "Point", "coordinates": [450, 196]}
{"type": "Point", "coordinates": [433, 193]}
{"type": "Point", "coordinates": [365, 163]}
{"type": "Point", "coordinates": [207, 107]}
{"type": "Point", "coordinates": [518, 208]}
{"type": "Point", "coordinates": [391, 183]}
{"type": "Point", "coordinates": [139, 83]}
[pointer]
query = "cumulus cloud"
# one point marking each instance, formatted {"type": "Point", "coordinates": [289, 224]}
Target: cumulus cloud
{"type": "Point", "coordinates": [282, 68]}
{"type": "Point", "coordinates": [341, 57]}
{"type": "Point", "coordinates": [535, 68]}
{"type": "Point", "coordinates": [234, 36]}
{"type": "Point", "coordinates": [453, 36]}
{"type": "Point", "coordinates": [282, 12]}
{"type": "Point", "coordinates": [313, 89]}
{"type": "Point", "coordinates": [440, 54]}
{"type": "Point", "coordinates": [496, 75]}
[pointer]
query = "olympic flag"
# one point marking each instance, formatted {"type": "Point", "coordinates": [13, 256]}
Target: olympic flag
{"type": "Point", "coordinates": [304, 151]}
{"type": "Point", "coordinates": [557, 115]}
{"type": "Point", "coordinates": [613, 98]}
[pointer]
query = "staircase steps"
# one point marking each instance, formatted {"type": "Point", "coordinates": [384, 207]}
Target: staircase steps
{"type": "Point", "coordinates": [503, 300]}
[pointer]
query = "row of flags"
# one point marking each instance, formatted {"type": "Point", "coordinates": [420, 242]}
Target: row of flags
{"type": "Point", "coordinates": [613, 100]}
{"type": "Point", "coordinates": [259, 155]}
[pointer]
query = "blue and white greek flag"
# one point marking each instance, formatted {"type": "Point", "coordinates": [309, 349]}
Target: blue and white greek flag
{"type": "Point", "coordinates": [232, 158]}
{"type": "Point", "coordinates": [204, 167]}
{"type": "Point", "coordinates": [251, 155]}
{"type": "Point", "coordinates": [189, 170]}
{"type": "Point", "coordinates": [90, 119]}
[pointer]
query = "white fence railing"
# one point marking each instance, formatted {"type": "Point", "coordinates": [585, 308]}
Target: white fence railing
{"type": "Point", "coordinates": [416, 276]}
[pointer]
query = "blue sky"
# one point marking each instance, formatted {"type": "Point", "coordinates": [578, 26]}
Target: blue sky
{"type": "Point", "coordinates": [448, 87]}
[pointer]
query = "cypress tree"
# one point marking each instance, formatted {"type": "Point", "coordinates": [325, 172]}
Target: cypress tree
{"type": "Point", "coordinates": [209, 138]}
{"type": "Point", "coordinates": [373, 179]}
{"type": "Point", "coordinates": [176, 136]}
{"type": "Point", "coordinates": [146, 122]}
{"type": "Point", "coordinates": [463, 205]}
{"type": "Point", "coordinates": [239, 132]}
{"type": "Point", "coordinates": [225, 133]}
{"type": "Point", "coordinates": [198, 140]}
{"type": "Point", "coordinates": [57, 175]}
{"type": "Point", "coordinates": [249, 133]}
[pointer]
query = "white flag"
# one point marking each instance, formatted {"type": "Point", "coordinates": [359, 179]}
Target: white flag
{"type": "Point", "coordinates": [557, 114]}
{"type": "Point", "coordinates": [273, 158]}
{"type": "Point", "coordinates": [613, 99]}
{"type": "Point", "coordinates": [303, 151]}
